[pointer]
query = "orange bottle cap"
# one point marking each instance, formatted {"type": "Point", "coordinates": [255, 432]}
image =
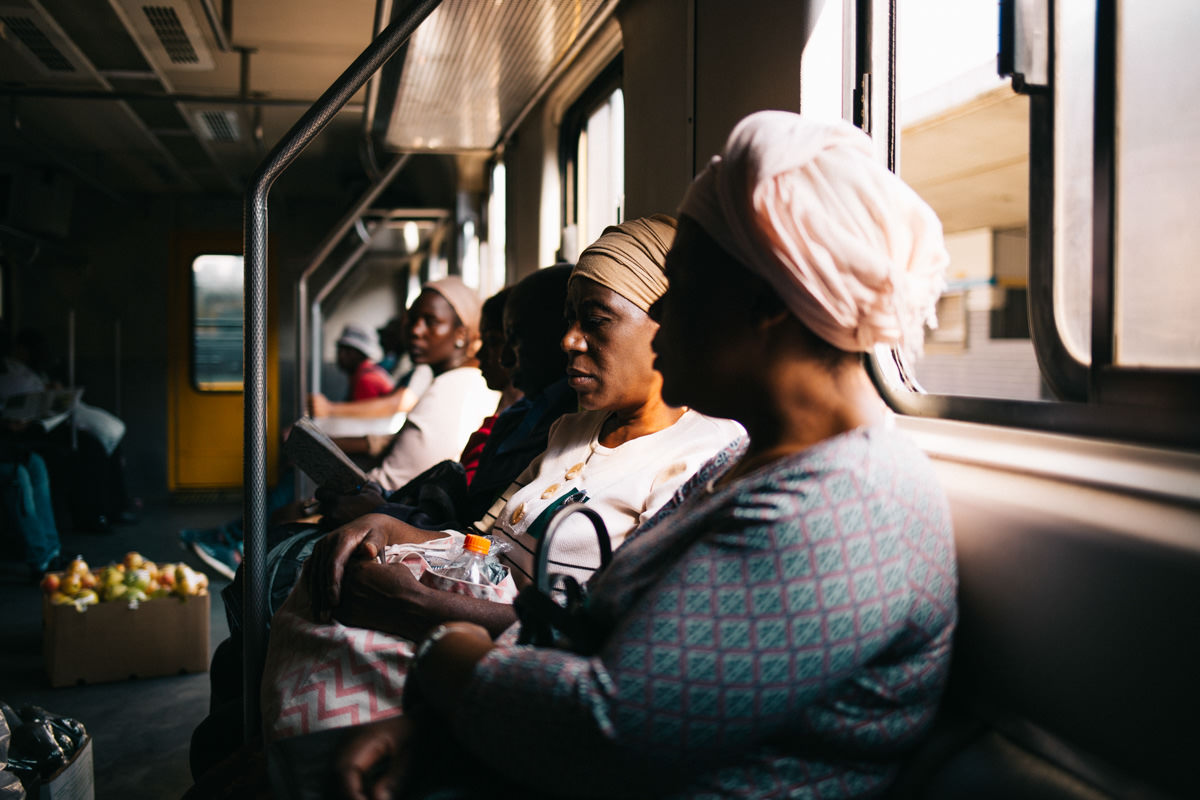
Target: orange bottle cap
{"type": "Point", "coordinates": [477, 544]}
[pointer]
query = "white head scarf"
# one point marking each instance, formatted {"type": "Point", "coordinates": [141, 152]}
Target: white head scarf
{"type": "Point", "coordinates": [852, 251]}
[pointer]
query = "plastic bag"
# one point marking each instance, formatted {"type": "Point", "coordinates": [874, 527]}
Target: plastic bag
{"type": "Point", "coordinates": [41, 742]}
{"type": "Point", "coordinates": [11, 787]}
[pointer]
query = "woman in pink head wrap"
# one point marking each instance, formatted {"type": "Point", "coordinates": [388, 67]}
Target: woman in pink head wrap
{"type": "Point", "coordinates": [783, 627]}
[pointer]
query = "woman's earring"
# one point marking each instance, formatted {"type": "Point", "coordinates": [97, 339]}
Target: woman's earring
{"type": "Point", "coordinates": [459, 343]}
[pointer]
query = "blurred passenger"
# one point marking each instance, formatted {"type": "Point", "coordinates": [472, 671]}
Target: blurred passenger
{"type": "Point", "coordinates": [783, 628]}
{"type": "Point", "coordinates": [495, 374]}
{"type": "Point", "coordinates": [28, 509]}
{"type": "Point", "coordinates": [409, 382]}
{"type": "Point", "coordinates": [443, 332]}
{"type": "Point", "coordinates": [357, 354]}
{"type": "Point", "coordinates": [81, 446]}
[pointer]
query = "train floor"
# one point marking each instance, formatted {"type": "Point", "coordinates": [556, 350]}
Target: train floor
{"type": "Point", "coordinates": [140, 728]}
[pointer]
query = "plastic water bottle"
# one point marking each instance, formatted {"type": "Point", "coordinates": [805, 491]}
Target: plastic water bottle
{"type": "Point", "coordinates": [471, 566]}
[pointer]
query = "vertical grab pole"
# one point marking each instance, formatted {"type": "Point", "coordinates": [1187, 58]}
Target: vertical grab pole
{"type": "Point", "coordinates": [254, 466]}
{"type": "Point", "coordinates": [71, 376]}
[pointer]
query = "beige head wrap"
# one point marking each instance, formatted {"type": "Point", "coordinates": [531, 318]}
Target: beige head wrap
{"type": "Point", "coordinates": [463, 299]}
{"type": "Point", "coordinates": [628, 258]}
{"type": "Point", "coordinates": [855, 254]}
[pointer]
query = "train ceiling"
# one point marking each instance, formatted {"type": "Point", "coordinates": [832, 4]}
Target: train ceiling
{"type": "Point", "coordinates": [188, 95]}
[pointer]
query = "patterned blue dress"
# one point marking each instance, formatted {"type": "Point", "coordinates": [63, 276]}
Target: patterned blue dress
{"type": "Point", "coordinates": [787, 635]}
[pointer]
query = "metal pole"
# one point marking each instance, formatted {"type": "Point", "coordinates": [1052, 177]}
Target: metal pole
{"type": "Point", "coordinates": [305, 351]}
{"type": "Point", "coordinates": [117, 369]}
{"type": "Point", "coordinates": [254, 467]}
{"type": "Point", "coordinates": [71, 375]}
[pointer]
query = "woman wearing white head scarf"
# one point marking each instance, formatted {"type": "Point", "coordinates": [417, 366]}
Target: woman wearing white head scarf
{"type": "Point", "coordinates": [782, 628]}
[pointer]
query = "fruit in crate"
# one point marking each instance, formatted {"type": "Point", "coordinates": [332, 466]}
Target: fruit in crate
{"type": "Point", "coordinates": [132, 581]}
{"type": "Point", "coordinates": [188, 581]}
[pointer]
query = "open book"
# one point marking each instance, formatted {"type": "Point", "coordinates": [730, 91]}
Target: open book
{"type": "Point", "coordinates": [320, 459]}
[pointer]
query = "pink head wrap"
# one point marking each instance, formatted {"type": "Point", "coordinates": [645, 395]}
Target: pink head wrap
{"type": "Point", "coordinates": [854, 253]}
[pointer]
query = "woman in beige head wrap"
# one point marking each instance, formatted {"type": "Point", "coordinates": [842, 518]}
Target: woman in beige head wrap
{"type": "Point", "coordinates": [783, 628]}
{"type": "Point", "coordinates": [624, 455]}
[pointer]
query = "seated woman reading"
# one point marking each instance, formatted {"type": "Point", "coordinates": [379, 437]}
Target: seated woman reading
{"type": "Point", "coordinates": [783, 626]}
{"type": "Point", "coordinates": [628, 450]}
{"type": "Point", "coordinates": [443, 332]}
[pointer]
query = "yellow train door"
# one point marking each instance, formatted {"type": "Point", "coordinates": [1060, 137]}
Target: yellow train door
{"type": "Point", "coordinates": [204, 365]}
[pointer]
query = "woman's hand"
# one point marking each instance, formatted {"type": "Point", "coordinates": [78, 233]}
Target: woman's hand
{"type": "Point", "coordinates": [319, 405]}
{"type": "Point", "coordinates": [384, 597]}
{"type": "Point", "coordinates": [379, 748]}
{"type": "Point", "coordinates": [362, 539]}
{"type": "Point", "coordinates": [344, 508]}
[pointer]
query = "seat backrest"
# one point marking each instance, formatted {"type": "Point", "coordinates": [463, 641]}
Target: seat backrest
{"type": "Point", "coordinates": [1074, 673]}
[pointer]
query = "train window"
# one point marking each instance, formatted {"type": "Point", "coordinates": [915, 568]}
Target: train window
{"type": "Point", "coordinates": [593, 162]}
{"type": "Point", "coordinates": [217, 323]}
{"type": "Point", "coordinates": [1156, 293]}
{"type": "Point", "coordinates": [600, 158]}
{"type": "Point", "coordinates": [497, 224]}
{"type": "Point", "coordinates": [963, 146]}
{"type": "Point", "coordinates": [822, 57]}
{"type": "Point", "coordinates": [1064, 199]}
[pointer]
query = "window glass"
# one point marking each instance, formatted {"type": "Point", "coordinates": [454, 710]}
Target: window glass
{"type": "Point", "coordinates": [1157, 293]}
{"type": "Point", "coordinates": [600, 165]}
{"type": "Point", "coordinates": [821, 97]}
{"type": "Point", "coordinates": [1074, 68]}
{"type": "Point", "coordinates": [964, 147]}
{"type": "Point", "coordinates": [497, 226]}
{"type": "Point", "coordinates": [217, 323]}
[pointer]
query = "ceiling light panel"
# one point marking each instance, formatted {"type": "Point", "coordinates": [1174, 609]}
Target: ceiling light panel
{"type": "Point", "coordinates": [472, 65]}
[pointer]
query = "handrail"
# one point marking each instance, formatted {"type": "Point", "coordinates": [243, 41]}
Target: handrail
{"type": "Point", "coordinates": [322, 252]}
{"type": "Point", "coordinates": [254, 466]}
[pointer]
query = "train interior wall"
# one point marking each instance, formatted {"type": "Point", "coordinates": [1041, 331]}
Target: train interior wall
{"type": "Point", "coordinates": [113, 267]}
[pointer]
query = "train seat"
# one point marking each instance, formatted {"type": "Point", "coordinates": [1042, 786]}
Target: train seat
{"type": "Point", "coordinates": [1073, 672]}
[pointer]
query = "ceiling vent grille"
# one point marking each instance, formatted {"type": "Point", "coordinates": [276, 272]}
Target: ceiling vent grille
{"type": "Point", "coordinates": [38, 43]}
{"type": "Point", "coordinates": [167, 32]}
{"type": "Point", "coordinates": [220, 126]}
{"type": "Point", "coordinates": [174, 38]}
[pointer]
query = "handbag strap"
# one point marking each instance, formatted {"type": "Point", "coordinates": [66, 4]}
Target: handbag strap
{"type": "Point", "coordinates": [541, 570]}
{"type": "Point", "coordinates": [540, 615]}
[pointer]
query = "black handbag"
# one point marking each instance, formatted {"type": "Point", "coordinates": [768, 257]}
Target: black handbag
{"type": "Point", "coordinates": [547, 622]}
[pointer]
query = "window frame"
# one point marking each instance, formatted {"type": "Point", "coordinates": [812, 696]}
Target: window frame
{"type": "Point", "coordinates": [1101, 399]}
{"type": "Point", "coordinates": [611, 78]}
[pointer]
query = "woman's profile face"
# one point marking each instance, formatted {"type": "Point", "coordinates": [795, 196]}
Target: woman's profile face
{"type": "Point", "coordinates": [610, 364]}
{"type": "Point", "coordinates": [700, 350]}
{"type": "Point", "coordinates": [432, 329]}
{"type": "Point", "coordinates": [491, 350]}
